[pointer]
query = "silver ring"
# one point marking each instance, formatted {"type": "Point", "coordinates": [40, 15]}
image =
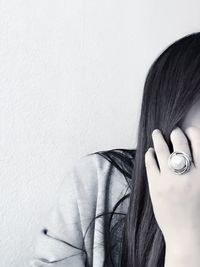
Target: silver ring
{"type": "Point", "coordinates": [179, 162]}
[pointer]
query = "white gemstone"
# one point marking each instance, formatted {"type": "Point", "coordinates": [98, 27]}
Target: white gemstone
{"type": "Point", "coordinates": [177, 162]}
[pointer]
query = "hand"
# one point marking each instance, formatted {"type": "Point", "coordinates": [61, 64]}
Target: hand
{"type": "Point", "coordinates": [175, 198]}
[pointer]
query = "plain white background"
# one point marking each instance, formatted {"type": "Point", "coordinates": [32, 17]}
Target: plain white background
{"type": "Point", "coordinates": [71, 82]}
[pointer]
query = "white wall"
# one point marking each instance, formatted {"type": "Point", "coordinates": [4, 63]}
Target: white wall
{"type": "Point", "coordinates": [71, 80]}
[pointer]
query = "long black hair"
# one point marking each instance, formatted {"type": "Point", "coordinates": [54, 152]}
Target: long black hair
{"type": "Point", "coordinates": [171, 87]}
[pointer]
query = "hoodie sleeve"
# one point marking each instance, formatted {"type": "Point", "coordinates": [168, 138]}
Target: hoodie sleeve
{"type": "Point", "coordinates": [74, 232]}
{"type": "Point", "coordinates": [60, 241]}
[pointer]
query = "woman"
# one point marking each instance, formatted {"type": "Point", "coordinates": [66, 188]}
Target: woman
{"type": "Point", "coordinates": [110, 210]}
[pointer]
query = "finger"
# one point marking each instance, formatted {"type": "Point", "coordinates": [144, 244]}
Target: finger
{"type": "Point", "coordinates": [151, 167]}
{"type": "Point", "coordinates": [193, 133]}
{"type": "Point", "coordinates": [179, 141]}
{"type": "Point", "coordinates": [161, 149]}
{"type": "Point", "coordinates": [150, 162]}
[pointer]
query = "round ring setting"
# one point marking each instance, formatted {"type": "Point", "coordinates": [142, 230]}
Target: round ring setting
{"type": "Point", "coordinates": [179, 162]}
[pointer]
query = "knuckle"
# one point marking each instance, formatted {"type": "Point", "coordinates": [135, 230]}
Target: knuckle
{"type": "Point", "coordinates": [174, 133]}
{"type": "Point", "coordinates": [178, 137]}
{"type": "Point", "coordinates": [160, 148]}
{"type": "Point", "coordinates": [181, 142]}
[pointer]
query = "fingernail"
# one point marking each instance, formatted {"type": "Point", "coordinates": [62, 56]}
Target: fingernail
{"type": "Point", "coordinates": [156, 131]}
{"type": "Point", "coordinates": [178, 128]}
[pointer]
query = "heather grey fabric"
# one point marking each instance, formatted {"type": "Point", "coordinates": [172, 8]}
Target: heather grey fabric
{"type": "Point", "coordinates": [92, 186]}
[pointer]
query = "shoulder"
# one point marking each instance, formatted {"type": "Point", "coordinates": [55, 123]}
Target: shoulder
{"type": "Point", "coordinates": [92, 186]}
{"type": "Point", "coordinates": [101, 162]}
{"type": "Point", "coordinates": [120, 158]}
{"type": "Point", "coordinates": [99, 177]}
